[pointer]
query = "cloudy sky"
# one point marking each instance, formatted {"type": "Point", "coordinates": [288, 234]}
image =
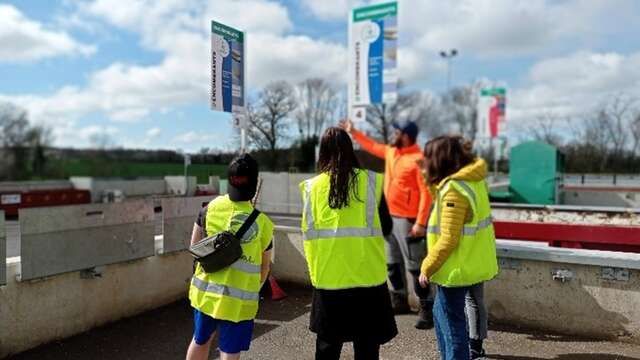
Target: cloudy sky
{"type": "Point", "coordinates": [138, 70]}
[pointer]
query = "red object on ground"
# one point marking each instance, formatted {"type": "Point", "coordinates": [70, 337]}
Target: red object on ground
{"type": "Point", "coordinates": [276, 292]}
{"type": "Point", "coordinates": [577, 236]}
{"type": "Point", "coordinates": [10, 202]}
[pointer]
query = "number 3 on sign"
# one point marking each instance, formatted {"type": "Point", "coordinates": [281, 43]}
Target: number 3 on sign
{"type": "Point", "coordinates": [239, 120]}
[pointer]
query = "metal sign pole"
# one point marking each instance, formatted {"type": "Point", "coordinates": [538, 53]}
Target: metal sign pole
{"type": "Point", "coordinates": [243, 140]}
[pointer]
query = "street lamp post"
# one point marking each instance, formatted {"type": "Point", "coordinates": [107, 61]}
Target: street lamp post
{"type": "Point", "coordinates": [448, 56]}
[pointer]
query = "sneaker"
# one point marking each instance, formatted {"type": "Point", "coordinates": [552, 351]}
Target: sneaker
{"type": "Point", "coordinates": [400, 304]}
{"type": "Point", "coordinates": [478, 355]}
{"type": "Point", "coordinates": [425, 319]}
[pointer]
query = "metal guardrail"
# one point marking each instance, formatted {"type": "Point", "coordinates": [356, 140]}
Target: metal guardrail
{"type": "Point", "coordinates": [567, 208]}
{"type": "Point", "coordinates": [71, 238]}
{"type": "Point", "coordinates": [178, 216]}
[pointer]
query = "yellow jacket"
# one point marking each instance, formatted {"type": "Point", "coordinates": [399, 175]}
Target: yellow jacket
{"type": "Point", "coordinates": [455, 213]}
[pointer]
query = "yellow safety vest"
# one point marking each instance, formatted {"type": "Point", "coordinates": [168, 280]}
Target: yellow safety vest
{"type": "Point", "coordinates": [232, 293]}
{"type": "Point", "coordinates": [474, 259]}
{"type": "Point", "coordinates": [344, 247]}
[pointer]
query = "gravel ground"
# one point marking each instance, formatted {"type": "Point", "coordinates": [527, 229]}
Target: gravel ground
{"type": "Point", "coordinates": [281, 333]}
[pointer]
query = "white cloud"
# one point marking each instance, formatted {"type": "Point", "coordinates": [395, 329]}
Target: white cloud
{"type": "Point", "coordinates": [295, 58]}
{"type": "Point", "coordinates": [153, 133]}
{"type": "Point", "coordinates": [480, 28]}
{"type": "Point", "coordinates": [331, 9]}
{"type": "Point", "coordinates": [508, 28]}
{"type": "Point", "coordinates": [24, 39]}
{"type": "Point", "coordinates": [129, 93]}
{"type": "Point", "coordinates": [575, 84]}
{"type": "Point", "coordinates": [193, 137]}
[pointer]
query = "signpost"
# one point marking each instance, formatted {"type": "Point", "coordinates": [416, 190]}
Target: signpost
{"type": "Point", "coordinates": [373, 44]}
{"type": "Point", "coordinates": [491, 112]}
{"type": "Point", "coordinates": [228, 69]}
{"type": "Point", "coordinates": [491, 120]}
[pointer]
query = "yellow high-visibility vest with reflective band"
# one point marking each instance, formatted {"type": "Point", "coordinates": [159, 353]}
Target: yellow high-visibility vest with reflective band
{"type": "Point", "coordinates": [232, 293]}
{"type": "Point", "coordinates": [344, 247]}
{"type": "Point", "coordinates": [474, 259]}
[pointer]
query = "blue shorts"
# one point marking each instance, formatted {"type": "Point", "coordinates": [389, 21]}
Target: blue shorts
{"type": "Point", "coordinates": [233, 337]}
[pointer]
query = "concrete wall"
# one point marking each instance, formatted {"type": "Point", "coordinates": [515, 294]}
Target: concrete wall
{"type": "Point", "coordinates": [176, 185]}
{"type": "Point", "coordinates": [37, 312]}
{"type": "Point", "coordinates": [34, 185]}
{"type": "Point", "coordinates": [3, 250]}
{"type": "Point", "coordinates": [70, 238]}
{"type": "Point", "coordinates": [599, 300]}
{"type": "Point", "coordinates": [279, 192]}
{"type": "Point", "coordinates": [525, 293]}
{"type": "Point", "coordinates": [130, 188]}
{"type": "Point", "coordinates": [594, 196]}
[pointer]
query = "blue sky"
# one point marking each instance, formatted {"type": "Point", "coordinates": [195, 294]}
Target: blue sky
{"type": "Point", "coordinates": [137, 70]}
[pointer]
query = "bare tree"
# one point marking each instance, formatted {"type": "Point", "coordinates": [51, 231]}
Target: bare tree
{"type": "Point", "coordinates": [317, 104]}
{"type": "Point", "coordinates": [616, 117]}
{"type": "Point", "coordinates": [268, 117]}
{"type": "Point", "coordinates": [102, 141]}
{"type": "Point", "coordinates": [635, 132]}
{"type": "Point", "coordinates": [412, 106]}
{"type": "Point", "coordinates": [14, 125]}
{"type": "Point", "coordinates": [545, 128]}
{"type": "Point", "coordinates": [23, 144]}
{"type": "Point", "coordinates": [459, 109]}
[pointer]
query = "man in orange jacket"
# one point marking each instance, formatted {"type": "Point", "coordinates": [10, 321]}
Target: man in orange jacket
{"type": "Point", "coordinates": [409, 202]}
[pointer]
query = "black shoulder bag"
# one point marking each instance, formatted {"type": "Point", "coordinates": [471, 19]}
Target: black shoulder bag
{"type": "Point", "coordinates": [220, 250]}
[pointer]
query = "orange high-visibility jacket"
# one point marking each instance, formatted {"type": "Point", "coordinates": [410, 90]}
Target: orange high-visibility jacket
{"type": "Point", "coordinates": [404, 186]}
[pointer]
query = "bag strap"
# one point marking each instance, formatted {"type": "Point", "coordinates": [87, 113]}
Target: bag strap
{"type": "Point", "coordinates": [247, 223]}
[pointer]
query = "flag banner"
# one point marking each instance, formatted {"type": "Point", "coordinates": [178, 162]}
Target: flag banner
{"type": "Point", "coordinates": [491, 119]}
{"type": "Point", "coordinates": [373, 48]}
{"type": "Point", "coordinates": [227, 68]}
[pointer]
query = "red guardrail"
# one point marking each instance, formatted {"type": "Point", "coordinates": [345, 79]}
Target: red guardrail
{"type": "Point", "coordinates": [10, 202]}
{"type": "Point", "coordinates": [580, 236]}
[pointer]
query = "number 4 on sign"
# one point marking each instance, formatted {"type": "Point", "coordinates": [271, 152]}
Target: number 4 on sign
{"type": "Point", "coordinates": [359, 114]}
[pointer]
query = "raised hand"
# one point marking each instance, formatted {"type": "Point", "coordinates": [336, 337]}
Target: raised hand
{"type": "Point", "coordinates": [346, 125]}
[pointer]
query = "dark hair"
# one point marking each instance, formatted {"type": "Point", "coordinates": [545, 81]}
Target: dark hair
{"type": "Point", "coordinates": [445, 155]}
{"type": "Point", "coordinates": [338, 159]}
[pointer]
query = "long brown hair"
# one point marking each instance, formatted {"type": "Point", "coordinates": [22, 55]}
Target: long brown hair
{"type": "Point", "coordinates": [339, 161]}
{"type": "Point", "coordinates": [446, 155]}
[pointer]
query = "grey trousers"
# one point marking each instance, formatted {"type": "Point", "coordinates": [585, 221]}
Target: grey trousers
{"type": "Point", "coordinates": [404, 255]}
{"type": "Point", "coordinates": [476, 312]}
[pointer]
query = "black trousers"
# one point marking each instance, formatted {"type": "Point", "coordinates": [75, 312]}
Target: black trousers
{"type": "Point", "coordinates": [363, 350]}
{"type": "Point", "coordinates": [397, 279]}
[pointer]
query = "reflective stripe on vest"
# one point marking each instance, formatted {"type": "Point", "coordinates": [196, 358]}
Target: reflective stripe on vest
{"type": "Point", "coordinates": [244, 266]}
{"type": "Point", "coordinates": [344, 248]}
{"type": "Point", "coordinates": [232, 293]}
{"type": "Point", "coordinates": [474, 259]}
{"type": "Point", "coordinates": [369, 231]}
{"type": "Point", "coordinates": [467, 229]}
{"type": "Point", "coordinates": [224, 290]}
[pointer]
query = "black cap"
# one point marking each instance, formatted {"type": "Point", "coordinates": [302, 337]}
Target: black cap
{"type": "Point", "coordinates": [407, 127]}
{"type": "Point", "coordinates": [243, 178]}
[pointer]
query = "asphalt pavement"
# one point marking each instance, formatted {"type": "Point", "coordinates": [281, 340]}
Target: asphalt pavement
{"type": "Point", "coordinates": [281, 332]}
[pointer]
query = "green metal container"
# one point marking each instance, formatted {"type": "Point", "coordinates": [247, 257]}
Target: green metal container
{"type": "Point", "coordinates": [535, 170]}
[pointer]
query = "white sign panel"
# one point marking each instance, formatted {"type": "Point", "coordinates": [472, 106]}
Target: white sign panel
{"type": "Point", "coordinates": [373, 38]}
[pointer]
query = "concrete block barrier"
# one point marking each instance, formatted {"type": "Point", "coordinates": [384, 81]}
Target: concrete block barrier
{"type": "Point", "coordinates": [70, 238]}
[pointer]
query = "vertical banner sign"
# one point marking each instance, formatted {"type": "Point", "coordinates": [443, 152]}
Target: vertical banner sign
{"type": "Point", "coordinates": [227, 68]}
{"type": "Point", "coordinates": [491, 119]}
{"type": "Point", "coordinates": [373, 44]}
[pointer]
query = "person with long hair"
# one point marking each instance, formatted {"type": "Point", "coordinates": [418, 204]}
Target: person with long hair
{"type": "Point", "coordinates": [461, 241]}
{"type": "Point", "coordinates": [409, 202]}
{"type": "Point", "coordinates": [344, 220]}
